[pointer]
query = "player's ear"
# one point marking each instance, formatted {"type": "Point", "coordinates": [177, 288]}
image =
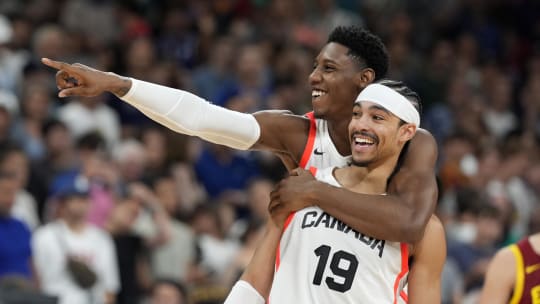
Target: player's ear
{"type": "Point", "coordinates": [364, 77]}
{"type": "Point", "coordinates": [406, 132]}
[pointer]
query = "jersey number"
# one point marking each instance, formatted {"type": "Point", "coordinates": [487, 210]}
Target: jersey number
{"type": "Point", "coordinates": [343, 271]}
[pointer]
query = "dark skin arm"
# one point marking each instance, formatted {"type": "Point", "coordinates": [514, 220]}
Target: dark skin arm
{"type": "Point", "coordinates": [400, 216]}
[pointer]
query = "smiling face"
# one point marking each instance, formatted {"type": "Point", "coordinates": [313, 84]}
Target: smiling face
{"type": "Point", "coordinates": [336, 80]}
{"type": "Point", "coordinates": [376, 134]}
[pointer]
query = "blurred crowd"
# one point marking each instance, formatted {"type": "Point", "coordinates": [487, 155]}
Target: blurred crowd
{"type": "Point", "coordinates": [160, 217]}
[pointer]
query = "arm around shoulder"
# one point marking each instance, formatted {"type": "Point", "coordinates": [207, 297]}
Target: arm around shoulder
{"type": "Point", "coordinates": [415, 185]}
{"type": "Point", "coordinates": [400, 216]}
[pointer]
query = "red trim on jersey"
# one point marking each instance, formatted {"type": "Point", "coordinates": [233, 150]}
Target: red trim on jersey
{"type": "Point", "coordinates": [404, 296]}
{"type": "Point", "coordinates": [404, 268]}
{"type": "Point", "coordinates": [310, 142]}
{"type": "Point", "coordinates": [288, 221]}
{"type": "Point", "coordinates": [278, 251]}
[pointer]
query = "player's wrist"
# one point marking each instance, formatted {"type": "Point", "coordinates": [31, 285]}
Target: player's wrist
{"type": "Point", "coordinates": [314, 191]}
{"type": "Point", "coordinates": [118, 85]}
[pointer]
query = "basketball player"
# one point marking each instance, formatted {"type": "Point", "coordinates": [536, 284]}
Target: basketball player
{"type": "Point", "coordinates": [513, 276]}
{"type": "Point", "coordinates": [352, 59]}
{"type": "Point", "coordinates": [322, 260]}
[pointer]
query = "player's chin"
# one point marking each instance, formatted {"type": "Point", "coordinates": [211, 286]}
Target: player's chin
{"type": "Point", "coordinates": [319, 112]}
{"type": "Point", "coordinates": [360, 161]}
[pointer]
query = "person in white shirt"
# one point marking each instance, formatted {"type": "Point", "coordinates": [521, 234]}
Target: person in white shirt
{"type": "Point", "coordinates": [72, 236]}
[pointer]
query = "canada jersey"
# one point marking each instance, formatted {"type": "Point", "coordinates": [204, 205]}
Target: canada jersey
{"type": "Point", "coordinates": [527, 286]}
{"type": "Point", "coordinates": [321, 260]}
{"type": "Point", "coordinates": [320, 151]}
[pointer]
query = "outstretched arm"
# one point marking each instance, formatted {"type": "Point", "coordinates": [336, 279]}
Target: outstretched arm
{"type": "Point", "coordinates": [500, 278]}
{"type": "Point", "coordinates": [186, 113]}
{"type": "Point", "coordinates": [429, 256]}
{"type": "Point", "coordinates": [400, 216]}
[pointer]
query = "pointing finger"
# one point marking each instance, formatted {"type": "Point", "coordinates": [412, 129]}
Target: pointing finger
{"type": "Point", "coordinates": [59, 65]}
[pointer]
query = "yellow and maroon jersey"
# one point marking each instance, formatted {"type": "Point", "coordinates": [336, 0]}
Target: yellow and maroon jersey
{"type": "Point", "coordinates": [527, 286]}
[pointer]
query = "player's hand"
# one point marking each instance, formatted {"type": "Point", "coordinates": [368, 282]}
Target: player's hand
{"type": "Point", "coordinates": [292, 193]}
{"type": "Point", "coordinates": [81, 80]}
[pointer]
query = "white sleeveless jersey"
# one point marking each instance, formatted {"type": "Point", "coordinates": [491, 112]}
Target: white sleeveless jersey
{"type": "Point", "coordinates": [320, 152]}
{"type": "Point", "coordinates": [320, 260]}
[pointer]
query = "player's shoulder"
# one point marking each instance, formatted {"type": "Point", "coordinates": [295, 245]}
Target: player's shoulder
{"type": "Point", "coordinates": [435, 226]}
{"type": "Point", "coordinates": [424, 138]}
{"type": "Point", "coordinates": [284, 119]}
{"type": "Point", "coordinates": [433, 234]}
{"type": "Point", "coordinates": [286, 114]}
{"type": "Point", "coordinates": [505, 256]}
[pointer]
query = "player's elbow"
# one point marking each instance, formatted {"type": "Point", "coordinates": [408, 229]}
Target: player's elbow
{"type": "Point", "coordinates": [411, 228]}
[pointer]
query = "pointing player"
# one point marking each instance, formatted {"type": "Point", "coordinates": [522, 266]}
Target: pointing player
{"type": "Point", "coordinates": [352, 59]}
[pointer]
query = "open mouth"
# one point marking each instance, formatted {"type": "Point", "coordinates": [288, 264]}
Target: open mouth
{"type": "Point", "coordinates": [363, 141]}
{"type": "Point", "coordinates": [316, 94]}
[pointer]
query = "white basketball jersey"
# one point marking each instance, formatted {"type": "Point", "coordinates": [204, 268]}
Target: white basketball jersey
{"type": "Point", "coordinates": [321, 260]}
{"type": "Point", "coordinates": [320, 152]}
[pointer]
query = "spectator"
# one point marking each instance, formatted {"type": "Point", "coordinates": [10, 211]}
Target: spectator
{"type": "Point", "coordinates": [25, 208]}
{"type": "Point", "coordinates": [15, 250]}
{"type": "Point", "coordinates": [71, 237]}
{"type": "Point", "coordinates": [167, 291]}
{"type": "Point", "coordinates": [172, 258]}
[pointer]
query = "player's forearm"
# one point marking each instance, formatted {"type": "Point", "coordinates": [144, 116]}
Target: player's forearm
{"type": "Point", "coordinates": [189, 114]}
{"type": "Point", "coordinates": [260, 270]}
{"type": "Point", "coordinates": [386, 217]}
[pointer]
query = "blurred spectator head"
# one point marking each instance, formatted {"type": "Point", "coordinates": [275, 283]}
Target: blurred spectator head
{"type": "Point", "coordinates": [16, 161]}
{"type": "Point", "coordinates": [9, 179]}
{"type": "Point", "coordinates": [155, 143]}
{"type": "Point", "coordinates": [50, 41]}
{"type": "Point", "coordinates": [89, 146]}
{"type": "Point", "coordinates": [165, 189]}
{"type": "Point", "coordinates": [74, 202]}
{"type": "Point", "coordinates": [36, 101]}
{"type": "Point", "coordinates": [141, 55]}
{"type": "Point", "coordinates": [166, 291]}
{"type": "Point", "coordinates": [251, 65]}
{"type": "Point", "coordinates": [206, 220]}
{"type": "Point", "coordinates": [489, 227]}
{"type": "Point", "coordinates": [123, 215]}
{"type": "Point", "coordinates": [130, 158]}
{"type": "Point", "coordinates": [57, 137]}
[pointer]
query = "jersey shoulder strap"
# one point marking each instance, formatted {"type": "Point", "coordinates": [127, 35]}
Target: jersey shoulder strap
{"type": "Point", "coordinates": [308, 149]}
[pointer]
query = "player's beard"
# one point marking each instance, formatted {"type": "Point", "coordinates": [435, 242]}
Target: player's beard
{"type": "Point", "coordinates": [363, 163]}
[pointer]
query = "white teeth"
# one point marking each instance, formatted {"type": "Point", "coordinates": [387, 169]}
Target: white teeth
{"type": "Point", "coordinates": [317, 93]}
{"type": "Point", "coordinates": [363, 141]}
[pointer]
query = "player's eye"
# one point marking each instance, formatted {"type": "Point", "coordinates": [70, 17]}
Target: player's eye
{"type": "Point", "coordinates": [328, 68]}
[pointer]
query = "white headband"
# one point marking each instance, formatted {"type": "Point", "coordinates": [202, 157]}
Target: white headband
{"type": "Point", "coordinates": [391, 100]}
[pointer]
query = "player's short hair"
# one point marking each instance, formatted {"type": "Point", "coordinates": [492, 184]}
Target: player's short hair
{"type": "Point", "coordinates": [404, 90]}
{"type": "Point", "coordinates": [363, 46]}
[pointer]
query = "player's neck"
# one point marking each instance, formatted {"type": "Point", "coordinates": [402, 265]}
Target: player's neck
{"type": "Point", "coordinates": [371, 179]}
{"type": "Point", "coordinates": [339, 130]}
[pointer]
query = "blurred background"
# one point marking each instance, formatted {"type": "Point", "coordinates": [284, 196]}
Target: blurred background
{"type": "Point", "coordinates": [178, 219]}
